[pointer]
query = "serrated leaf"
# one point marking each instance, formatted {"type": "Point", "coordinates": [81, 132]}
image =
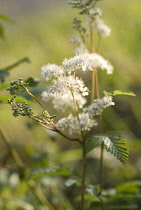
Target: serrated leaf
{"type": "Point", "coordinates": [113, 144]}
{"type": "Point", "coordinates": [94, 142]}
{"type": "Point", "coordinates": [49, 171]}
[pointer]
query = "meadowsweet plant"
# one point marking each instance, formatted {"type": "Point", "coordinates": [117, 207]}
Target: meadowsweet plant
{"type": "Point", "coordinates": [81, 106]}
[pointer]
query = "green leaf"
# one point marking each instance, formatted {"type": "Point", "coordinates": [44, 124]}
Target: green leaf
{"type": "Point", "coordinates": [1, 31]}
{"type": "Point", "coordinates": [49, 171]}
{"type": "Point", "coordinates": [124, 207]}
{"type": "Point", "coordinates": [18, 99]}
{"type": "Point", "coordinates": [32, 82]}
{"type": "Point", "coordinates": [3, 74]}
{"type": "Point", "coordinates": [70, 182]}
{"type": "Point", "coordinates": [118, 92]}
{"type": "Point", "coordinates": [127, 93]}
{"type": "Point", "coordinates": [129, 187]}
{"type": "Point", "coordinates": [10, 67]}
{"type": "Point", "coordinates": [4, 86]}
{"type": "Point", "coordinates": [5, 18]}
{"type": "Point", "coordinates": [113, 144]}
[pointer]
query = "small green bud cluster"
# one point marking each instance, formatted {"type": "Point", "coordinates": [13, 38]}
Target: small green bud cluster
{"type": "Point", "coordinates": [82, 30]}
{"type": "Point", "coordinates": [49, 118]}
{"type": "Point", "coordinates": [20, 108]}
{"type": "Point", "coordinates": [83, 6]}
{"type": "Point", "coordinates": [17, 85]}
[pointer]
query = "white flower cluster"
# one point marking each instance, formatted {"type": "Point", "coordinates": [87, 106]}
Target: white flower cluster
{"type": "Point", "coordinates": [50, 70]}
{"type": "Point", "coordinates": [87, 62]}
{"type": "Point", "coordinates": [74, 126]}
{"type": "Point", "coordinates": [64, 88]}
{"type": "Point", "coordinates": [97, 23]}
{"type": "Point", "coordinates": [80, 47]}
{"type": "Point", "coordinates": [65, 101]}
{"type": "Point", "coordinates": [61, 90]}
{"type": "Point", "coordinates": [98, 106]}
{"type": "Point", "coordinates": [102, 29]}
{"type": "Point", "coordinates": [64, 85]}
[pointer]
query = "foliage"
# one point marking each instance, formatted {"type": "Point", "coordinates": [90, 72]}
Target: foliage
{"type": "Point", "coordinates": [113, 144]}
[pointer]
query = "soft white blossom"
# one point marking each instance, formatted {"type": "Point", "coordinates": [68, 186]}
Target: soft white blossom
{"type": "Point", "coordinates": [102, 29]}
{"type": "Point", "coordinates": [86, 62]}
{"type": "Point", "coordinates": [65, 101]}
{"type": "Point", "coordinates": [51, 70]}
{"type": "Point", "coordinates": [64, 85]}
{"type": "Point", "coordinates": [80, 47]}
{"type": "Point", "coordinates": [99, 105]}
{"type": "Point", "coordinates": [97, 23]}
{"type": "Point", "coordinates": [74, 125]}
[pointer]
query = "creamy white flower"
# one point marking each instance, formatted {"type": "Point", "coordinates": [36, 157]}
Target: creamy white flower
{"type": "Point", "coordinates": [74, 126]}
{"type": "Point", "coordinates": [65, 101]}
{"type": "Point", "coordinates": [80, 47]}
{"type": "Point", "coordinates": [102, 29]}
{"type": "Point", "coordinates": [51, 70]}
{"type": "Point", "coordinates": [98, 106]}
{"type": "Point", "coordinates": [65, 85]}
{"type": "Point", "coordinates": [86, 62]}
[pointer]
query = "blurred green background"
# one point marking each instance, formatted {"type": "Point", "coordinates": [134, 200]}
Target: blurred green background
{"type": "Point", "coordinates": [41, 31]}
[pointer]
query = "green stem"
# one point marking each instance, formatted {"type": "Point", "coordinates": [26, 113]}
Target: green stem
{"type": "Point", "coordinates": [83, 174]}
{"type": "Point", "coordinates": [68, 138]}
{"type": "Point", "coordinates": [99, 44]}
{"type": "Point", "coordinates": [101, 168]}
{"type": "Point", "coordinates": [48, 115]}
{"type": "Point", "coordinates": [95, 88]}
{"type": "Point", "coordinates": [82, 204]}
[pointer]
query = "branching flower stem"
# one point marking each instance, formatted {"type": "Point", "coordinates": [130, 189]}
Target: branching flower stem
{"type": "Point", "coordinates": [83, 143]}
{"type": "Point", "coordinates": [27, 91]}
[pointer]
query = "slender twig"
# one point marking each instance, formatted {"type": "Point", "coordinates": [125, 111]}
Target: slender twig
{"type": "Point", "coordinates": [41, 197]}
{"type": "Point", "coordinates": [37, 101]}
{"type": "Point", "coordinates": [92, 39]}
{"type": "Point", "coordinates": [93, 72]}
{"type": "Point", "coordinates": [99, 44]}
{"type": "Point", "coordinates": [70, 139]}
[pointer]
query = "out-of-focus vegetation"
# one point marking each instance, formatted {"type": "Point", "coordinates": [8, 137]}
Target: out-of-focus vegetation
{"type": "Point", "coordinates": [44, 37]}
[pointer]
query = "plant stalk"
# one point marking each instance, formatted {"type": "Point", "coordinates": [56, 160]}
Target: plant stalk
{"type": "Point", "coordinates": [95, 90]}
{"type": "Point", "coordinates": [93, 73]}
{"type": "Point", "coordinates": [83, 174]}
